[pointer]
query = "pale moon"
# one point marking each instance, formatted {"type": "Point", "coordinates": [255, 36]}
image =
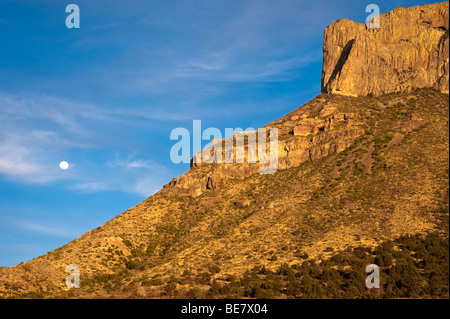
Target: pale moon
{"type": "Point", "coordinates": [64, 165]}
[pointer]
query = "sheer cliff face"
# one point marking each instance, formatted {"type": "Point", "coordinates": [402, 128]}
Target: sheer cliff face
{"type": "Point", "coordinates": [410, 50]}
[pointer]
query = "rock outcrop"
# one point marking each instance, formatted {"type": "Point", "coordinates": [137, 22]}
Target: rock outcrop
{"type": "Point", "coordinates": [409, 50]}
{"type": "Point", "coordinates": [305, 130]}
{"type": "Point", "coordinates": [312, 133]}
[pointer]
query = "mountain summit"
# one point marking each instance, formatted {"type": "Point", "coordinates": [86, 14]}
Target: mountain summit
{"type": "Point", "coordinates": [362, 179]}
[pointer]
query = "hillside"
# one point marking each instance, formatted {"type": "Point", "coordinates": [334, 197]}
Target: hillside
{"type": "Point", "coordinates": [393, 180]}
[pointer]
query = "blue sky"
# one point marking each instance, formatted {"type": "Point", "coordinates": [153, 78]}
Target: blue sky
{"type": "Point", "coordinates": [106, 96]}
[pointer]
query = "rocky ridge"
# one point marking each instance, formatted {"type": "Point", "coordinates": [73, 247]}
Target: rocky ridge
{"type": "Point", "coordinates": [312, 133]}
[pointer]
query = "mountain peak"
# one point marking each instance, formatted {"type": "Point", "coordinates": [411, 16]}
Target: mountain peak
{"type": "Point", "coordinates": [409, 50]}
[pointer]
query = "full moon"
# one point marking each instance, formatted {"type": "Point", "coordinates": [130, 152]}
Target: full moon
{"type": "Point", "coordinates": [64, 165]}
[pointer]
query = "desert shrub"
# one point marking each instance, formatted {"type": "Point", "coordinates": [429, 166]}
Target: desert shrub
{"type": "Point", "coordinates": [293, 287]}
{"type": "Point", "coordinates": [203, 278]}
{"type": "Point", "coordinates": [311, 288]}
{"type": "Point", "coordinates": [156, 282]}
{"type": "Point", "coordinates": [263, 271]}
{"type": "Point", "coordinates": [405, 278]}
{"type": "Point", "coordinates": [170, 289]}
{"type": "Point", "coordinates": [136, 252]}
{"type": "Point", "coordinates": [127, 243]}
{"type": "Point", "coordinates": [194, 293]}
{"type": "Point", "coordinates": [214, 269]}
{"type": "Point", "coordinates": [285, 270]}
{"type": "Point", "coordinates": [134, 264]}
{"type": "Point", "coordinates": [383, 259]}
{"type": "Point", "coordinates": [261, 289]}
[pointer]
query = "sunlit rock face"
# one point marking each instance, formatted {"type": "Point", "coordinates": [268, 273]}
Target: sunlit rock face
{"type": "Point", "coordinates": [409, 50]}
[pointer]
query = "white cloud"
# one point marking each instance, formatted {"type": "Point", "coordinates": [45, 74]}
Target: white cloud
{"type": "Point", "coordinates": [130, 175]}
{"type": "Point", "coordinates": [141, 186]}
{"type": "Point", "coordinates": [146, 186]}
{"type": "Point", "coordinates": [17, 161]}
{"type": "Point", "coordinates": [272, 70]}
{"type": "Point", "coordinates": [37, 226]}
{"type": "Point", "coordinates": [30, 154]}
{"type": "Point", "coordinates": [45, 229]}
{"type": "Point", "coordinates": [139, 164]}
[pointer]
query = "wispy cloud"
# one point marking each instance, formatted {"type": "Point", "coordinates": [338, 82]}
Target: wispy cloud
{"type": "Point", "coordinates": [141, 186]}
{"type": "Point", "coordinates": [32, 132]}
{"type": "Point", "coordinates": [130, 175]}
{"type": "Point", "coordinates": [134, 164]}
{"type": "Point", "coordinates": [273, 70]}
{"type": "Point", "coordinates": [30, 151]}
{"type": "Point", "coordinates": [44, 229]}
{"type": "Point", "coordinates": [19, 158]}
{"type": "Point", "coordinates": [34, 226]}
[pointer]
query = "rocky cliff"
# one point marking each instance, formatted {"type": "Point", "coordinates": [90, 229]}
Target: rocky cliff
{"type": "Point", "coordinates": [409, 50]}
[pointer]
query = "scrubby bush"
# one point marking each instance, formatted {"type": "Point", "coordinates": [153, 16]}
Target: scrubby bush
{"type": "Point", "coordinates": [170, 289]}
